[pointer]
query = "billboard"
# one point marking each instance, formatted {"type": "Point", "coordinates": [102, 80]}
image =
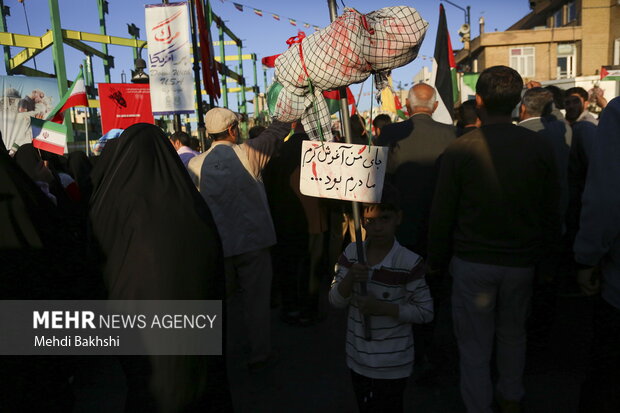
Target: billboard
{"type": "Point", "coordinates": [22, 98]}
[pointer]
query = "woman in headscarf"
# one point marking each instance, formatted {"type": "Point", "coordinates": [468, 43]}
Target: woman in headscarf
{"type": "Point", "coordinates": [40, 259]}
{"type": "Point", "coordinates": [80, 168]}
{"type": "Point", "coordinates": [145, 212]}
{"type": "Point", "coordinates": [29, 159]}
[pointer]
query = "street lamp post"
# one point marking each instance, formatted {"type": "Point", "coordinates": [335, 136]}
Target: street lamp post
{"type": "Point", "coordinates": [466, 11]}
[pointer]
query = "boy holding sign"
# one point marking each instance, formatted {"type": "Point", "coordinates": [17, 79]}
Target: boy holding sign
{"type": "Point", "coordinates": [397, 296]}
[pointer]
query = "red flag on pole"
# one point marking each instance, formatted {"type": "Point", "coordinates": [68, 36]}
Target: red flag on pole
{"type": "Point", "coordinates": [209, 69]}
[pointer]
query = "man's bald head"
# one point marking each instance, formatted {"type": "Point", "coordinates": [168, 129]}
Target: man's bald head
{"type": "Point", "coordinates": [422, 99]}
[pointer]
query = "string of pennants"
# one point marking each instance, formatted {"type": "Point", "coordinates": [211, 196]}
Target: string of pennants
{"type": "Point", "coordinates": [294, 22]}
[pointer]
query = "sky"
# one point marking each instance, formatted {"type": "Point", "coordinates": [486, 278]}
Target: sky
{"type": "Point", "coordinates": [264, 35]}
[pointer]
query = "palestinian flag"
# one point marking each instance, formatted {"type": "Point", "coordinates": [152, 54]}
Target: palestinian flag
{"type": "Point", "coordinates": [332, 97]}
{"type": "Point", "coordinates": [75, 96]}
{"type": "Point", "coordinates": [307, 25]}
{"type": "Point", "coordinates": [238, 6]}
{"type": "Point", "coordinates": [292, 22]}
{"type": "Point", "coordinates": [316, 28]}
{"type": "Point", "coordinates": [607, 73]}
{"type": "Point", "coordinates": [399, 109]}
{"type": "Point", "coordinates": [258, 12]}
{"type": "Point", "coordinates": [444, 72]}
{"type": "Point", "coordinates": [48, 136]}
{"type": "Point", "coordinates": [275, 16]}
{"type": "Point", "coordinates": [468, 86]}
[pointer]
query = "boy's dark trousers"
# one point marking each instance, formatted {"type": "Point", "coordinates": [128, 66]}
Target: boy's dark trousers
{"type": "Point", "coordinates": [378, 395]}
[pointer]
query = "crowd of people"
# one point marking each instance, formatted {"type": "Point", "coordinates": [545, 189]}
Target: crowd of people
{"type": "Point", "coordinates": [484, 214]}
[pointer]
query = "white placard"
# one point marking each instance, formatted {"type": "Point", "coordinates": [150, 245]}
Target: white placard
{"type": "Point", "coordinates": [170, 70]}
{"type": "Point", "coordinates": [343, 171]}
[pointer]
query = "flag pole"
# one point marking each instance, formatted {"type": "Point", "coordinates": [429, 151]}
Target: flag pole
{"type": "Point", "coordinates": [346, 127]}
{"type": "Point", "coordinates": [86, 130]}
{"type": "Point", "coordinates": [86, 119]}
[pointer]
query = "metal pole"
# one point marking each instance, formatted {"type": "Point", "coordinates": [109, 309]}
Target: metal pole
{"type": "Point", "coordinates": [256, 90]}
{"type": "Point", "coordinates": [58, 53]}
{"type": "Point", "coordinates": [86, 77]}
{"type": "Point", "coordinates": [201, 120]}
{"type": "Point", "coordinates": [90, 81]}
{"type": "Point", "coordinates": [466, 11]}
{"type": "Point", "coordinates": [104, 47]}
{"type": "Point", "coordinates": [135, 49]}
{"type": "Point", "coordinates": [209, 22]}
{"type": "Point", "coordinates": [7, 49]}
{"type": "Point", "coordinates": [346, 127]}
{"type": "Point", "coordinates": [255, 72]}
{"type": "Point", "coordinates": [223, 62]}
{"type": "Point", "coordinates": [86, 131]}
{"type": "Point", "coordinates": [243, 109]}
{"type": "Point", "coordinates": [34, 59]}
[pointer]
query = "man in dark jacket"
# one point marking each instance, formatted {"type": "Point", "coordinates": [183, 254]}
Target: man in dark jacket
{"type": "Point", "coordinates": [495, 212]}
{"type": "Point", "coordinates": [415, 146]}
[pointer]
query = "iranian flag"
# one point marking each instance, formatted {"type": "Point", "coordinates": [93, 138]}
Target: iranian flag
{"type": "Point", "coordinates": [48, 136]}
{"type": "Point", "coordinates": [444, 72]}
{"type": "Point", "coordinates": [75, 96]}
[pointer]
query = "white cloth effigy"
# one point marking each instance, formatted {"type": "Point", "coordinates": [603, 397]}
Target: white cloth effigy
{"type": "Point", "coordinates": [347, 51]}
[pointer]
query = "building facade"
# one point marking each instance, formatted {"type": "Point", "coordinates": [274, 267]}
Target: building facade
{"type": "Point", "coordinates": [558, 39]}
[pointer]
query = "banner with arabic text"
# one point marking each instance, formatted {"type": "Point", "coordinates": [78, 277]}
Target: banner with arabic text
{"type": "Point", "coordinates": [170, 67]}
{"type": "Point", "coordinates": [343, 171]}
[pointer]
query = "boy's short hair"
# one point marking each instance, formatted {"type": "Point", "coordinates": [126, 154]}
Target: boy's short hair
{"type": "Point", "coordinates": [390, 199]}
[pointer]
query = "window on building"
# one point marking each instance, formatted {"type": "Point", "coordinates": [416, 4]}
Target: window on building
{"type": "Point", "coordinates": [558, 20]}
{"type": "Point", "coordinates": [522, 60]}
{"type": "Point", "coordinates": [567, 61]}
{"type": "Point", "coordinates": [572, 11]}
{"type": "Point", "coordinates": [617, 52]}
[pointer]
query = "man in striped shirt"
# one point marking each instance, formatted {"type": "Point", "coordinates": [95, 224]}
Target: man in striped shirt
{"type": "Point", "coordinates": [397, 296]}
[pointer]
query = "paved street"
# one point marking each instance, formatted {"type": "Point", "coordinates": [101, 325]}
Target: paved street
{"type": "Point", "coordinates": [311, 375]}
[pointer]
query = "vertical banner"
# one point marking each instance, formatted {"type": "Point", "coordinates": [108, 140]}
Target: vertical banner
{"type": "Point", "coordinates": [123, 104]}
{"type": "Point", "coordinates": [170, 67]}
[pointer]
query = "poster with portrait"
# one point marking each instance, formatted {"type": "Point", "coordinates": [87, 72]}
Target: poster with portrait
{"type": "Point", "coordinates": [169, 59]}
{"type": "Point", "coordinates": [22, 98]}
